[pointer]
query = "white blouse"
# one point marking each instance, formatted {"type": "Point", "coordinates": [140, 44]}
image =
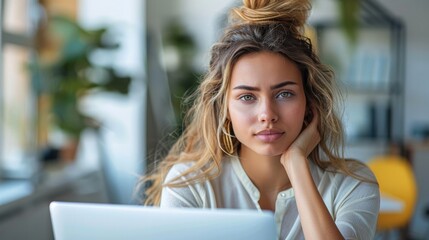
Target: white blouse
{"type": "Point", "coordinates": [353, 204]}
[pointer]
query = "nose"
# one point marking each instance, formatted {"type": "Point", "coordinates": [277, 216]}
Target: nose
{"type": "Point", "coordinates": [268, 112]}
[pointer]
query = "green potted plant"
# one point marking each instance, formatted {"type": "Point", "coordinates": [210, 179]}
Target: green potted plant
{"type": "Point", "coordinates": [72, 75]}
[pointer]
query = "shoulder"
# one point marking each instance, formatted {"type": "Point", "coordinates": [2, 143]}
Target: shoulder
{"type": "Point", "coordinates": [191, 171]}
{"type": "Point", "coordinates": [182, 167]}
{"type": "Point", "coordinates": [361, 173]}
{"type": "Point", "coordinates": [360, 177]}
{"type": "Point", "coordinates": [181, 172]}
{"type": "Point", "coordinates": [360, 169]}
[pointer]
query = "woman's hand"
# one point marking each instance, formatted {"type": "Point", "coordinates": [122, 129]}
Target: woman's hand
{"type": "Point", "coordinates": [305, 143]}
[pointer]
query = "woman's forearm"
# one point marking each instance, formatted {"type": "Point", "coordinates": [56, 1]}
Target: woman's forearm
{"type": "Point", "coordinates": [316, 220]}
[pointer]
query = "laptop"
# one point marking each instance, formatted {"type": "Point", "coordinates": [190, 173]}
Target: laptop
{"type": "Point", "coordinates": [92, 221]}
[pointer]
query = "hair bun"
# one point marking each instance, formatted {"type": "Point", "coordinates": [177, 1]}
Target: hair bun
{"type": "Point", "coordinates": [293, 12]}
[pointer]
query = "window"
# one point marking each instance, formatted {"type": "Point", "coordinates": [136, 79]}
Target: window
{"type": "Point", "coordinates": [17, 101]}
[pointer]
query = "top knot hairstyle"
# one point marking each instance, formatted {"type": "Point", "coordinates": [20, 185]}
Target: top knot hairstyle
{"type": "Point", "coordinates": [257, 26]}
{"type": "Point", "coordinates": [291, 12]}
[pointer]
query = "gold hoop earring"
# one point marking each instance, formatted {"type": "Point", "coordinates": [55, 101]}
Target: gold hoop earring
{"type": "Point", "coordinates": [226, 137]}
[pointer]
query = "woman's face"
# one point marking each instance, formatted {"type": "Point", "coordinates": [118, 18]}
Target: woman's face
{"type": "Point", "coordinates": [266, 103]}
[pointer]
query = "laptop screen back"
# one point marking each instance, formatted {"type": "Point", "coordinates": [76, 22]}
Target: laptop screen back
{"type": "Point", "coordinates": [111, 222]}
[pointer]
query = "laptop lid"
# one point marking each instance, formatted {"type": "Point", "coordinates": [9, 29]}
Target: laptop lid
{"type": "Point", "coordinates": [89, 221]}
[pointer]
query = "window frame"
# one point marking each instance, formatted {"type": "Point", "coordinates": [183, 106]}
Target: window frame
{"type": "Point", "coordinates": [25, 40]}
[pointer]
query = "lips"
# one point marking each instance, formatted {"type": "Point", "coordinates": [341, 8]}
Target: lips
{"type": "Point", "coordinates": [269, 135]}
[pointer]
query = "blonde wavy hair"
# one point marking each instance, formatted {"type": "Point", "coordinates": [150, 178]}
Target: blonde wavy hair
{"type": "Point", "coordinates": [259, 25]}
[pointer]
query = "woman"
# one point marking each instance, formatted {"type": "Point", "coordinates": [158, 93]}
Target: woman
{"type": "Point", "coordinates": [263, 134]}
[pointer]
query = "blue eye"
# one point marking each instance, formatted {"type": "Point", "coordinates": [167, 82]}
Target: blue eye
{"type": "Point", "coordinates": [247, 97]}
{"type": "Point", "coordinates": [284, 95]}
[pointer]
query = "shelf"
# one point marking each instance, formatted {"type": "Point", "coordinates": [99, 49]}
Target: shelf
{"type": "Point", "coordinates": [370, 73]}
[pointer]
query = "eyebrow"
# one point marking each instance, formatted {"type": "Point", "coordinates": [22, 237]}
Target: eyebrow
{"type": "Point", "coordinates": [250, 88]}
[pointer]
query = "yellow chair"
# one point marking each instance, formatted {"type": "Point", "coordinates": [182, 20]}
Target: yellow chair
{"type": "Point", "coordinates": [396, 180]}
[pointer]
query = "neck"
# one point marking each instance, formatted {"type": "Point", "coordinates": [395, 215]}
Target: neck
{"type": "Point", "coordinates": [267, 173]}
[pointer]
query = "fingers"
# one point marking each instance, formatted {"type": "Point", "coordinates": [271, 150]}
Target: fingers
{"type": "Point", "coordinates": [310, 136]}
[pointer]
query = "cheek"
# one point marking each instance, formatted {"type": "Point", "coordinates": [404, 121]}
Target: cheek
{"type": "Point", "coordinates": [299, 113]}
{"type": "Point", "coordinates": [294, 112]}
{"type": "Point", "coordinates": [240, 117]}
{"type": "Point", "coordinates": [293, 116]}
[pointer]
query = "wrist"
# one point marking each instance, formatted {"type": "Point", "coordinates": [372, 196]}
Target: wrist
{"type": "Point", "coordinates": [294, 162]}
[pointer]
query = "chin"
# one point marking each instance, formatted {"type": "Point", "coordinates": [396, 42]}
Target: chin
{"type": "Point", "coordinates": [270, 152]}
{"type": "Point", "coordinates": [267, 150]}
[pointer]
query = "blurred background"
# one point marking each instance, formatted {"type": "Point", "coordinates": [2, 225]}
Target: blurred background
{"type": "Point", "coordinates": [91, 94]}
